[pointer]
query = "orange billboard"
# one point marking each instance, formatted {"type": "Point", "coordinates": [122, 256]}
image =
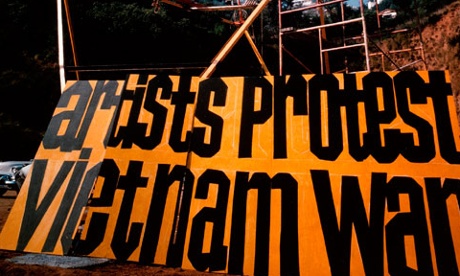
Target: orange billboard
{"type": "Point", "coordinates": [294, 175]}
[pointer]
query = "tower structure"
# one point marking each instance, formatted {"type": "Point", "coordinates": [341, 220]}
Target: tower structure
{"type": "Point", "coordinates": [338, 34]}
{"type": "Point", "coordinates": [404, 46]}
{"type": "Point", "coordinates": [335, 36]}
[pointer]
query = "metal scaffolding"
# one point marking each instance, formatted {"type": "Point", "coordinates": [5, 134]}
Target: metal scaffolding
{"type": "Point", "coordinates": [231, 42]}
{"type": "Point", "coordinates": [350, 41]}
{"type": "Point", "coordinates": [326, 47]}
{"type": "Point", "coordinates": [246, 10]}
{"type": "Point", "coordinates": [336, 34]}
{"type": "Point", "coordinates": [384, 59]}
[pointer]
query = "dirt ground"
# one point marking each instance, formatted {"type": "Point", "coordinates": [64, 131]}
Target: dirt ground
{"type": "Point", "coordinates": [113, 267]}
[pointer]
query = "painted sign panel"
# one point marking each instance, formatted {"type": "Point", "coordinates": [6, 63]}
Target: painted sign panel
{"type": "Point", "coordinates": [295, 175]}
{"type": "Point", "coordinates": [47, 211]}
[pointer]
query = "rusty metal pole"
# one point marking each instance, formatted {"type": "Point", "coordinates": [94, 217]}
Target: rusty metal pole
{"type": "Point", "coordinates": [366, 47]}
{"type": "Point", "coordinates": [60, 46]}
{"type": "Point", "coordinates": [280, 39]}
{"type": "Point", "coordinates": [419, 30]}
{"type": "Point", "coordinates": [71, 34]}
{"type": "Point", "coordinates": [324, 37]}
{"type": "Point", "coordinates": [234, 39]}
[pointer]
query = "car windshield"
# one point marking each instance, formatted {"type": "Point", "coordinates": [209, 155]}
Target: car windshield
{"type": "Point", "coordinates": [5, 167]}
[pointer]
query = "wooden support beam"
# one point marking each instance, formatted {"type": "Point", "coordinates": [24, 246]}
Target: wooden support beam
{"type": "Point", "coordinates": [256, 52]}
{"type": "Point", "coordinates": [222, 8]}
{"type": "Point", "coordinates": [71, 35]}
{"type": "Point", "coordinates": [231, 42]}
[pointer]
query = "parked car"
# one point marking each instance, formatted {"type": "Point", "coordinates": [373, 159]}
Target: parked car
{"type": "Point", "coordinates": [9, 171]}
{"type": "Point", "coordinates": [388, 14]}
{"type": "Point", "coordinates": [20, 176]}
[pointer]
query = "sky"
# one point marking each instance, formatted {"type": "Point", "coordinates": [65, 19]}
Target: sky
{"type": "Point", "coordinates": [354, 3]}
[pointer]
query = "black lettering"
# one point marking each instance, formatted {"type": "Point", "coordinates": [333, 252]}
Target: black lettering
{"type": "Point", "coordinates": [425, 151]}
{"type": "Point", "coordinates": [207, 117]}
{"type": "Point", "coordinates": [440, 91]}
{"type": "Point", "coordinates": [440, 224]}
{"type": "Point", "coordinates": [289, 242]}
{"type": "Point", "coordinates": [353, 213]}
{"type": "Point", "coordinates": [107, 89]}
{"type": "Point", "coordinates": [72, 187]}
{"type": "Point", "coordinates": [135, 132]}
{"type": "Point", "coordinates": [334, 147]}
{"type": "Point", "coordinates": [163, 182]}
{"type": "Point", "coordinates": [34, 212]}
{"type": "Point", "coordinates": [97, 224]}
{"type": "Point", "coordinates": [261, 182]}
{"type": "Point", "coordinates": [352, 97]}
{"type": "Point", "coordinates": [159, 112]}
{"type": "Point", "coordinates": [216, 259]}
{"type": "Point", "coordinates": [403, 224]}
{"type": "Point", "coordinates": [79, 119]}
{"type": "Point", "coordinates": [123, 244]}
{"type": "Point", "coordinates": [388, 150]}
{"type": "Point", "coordinates": [250, 116]}
{"type": "Point", "coordinates": [80, 203]}
{"type": "Point", "coordinates": [296, 87]}
{"type": "Point", "coordinates": [180, 100]}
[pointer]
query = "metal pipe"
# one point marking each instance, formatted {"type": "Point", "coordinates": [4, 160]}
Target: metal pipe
{"type": "Point", "coordinates": [60, 46]}
{"type": "Point", "coordinates": [71, 34]}
{"type": "Point", "coordinates": [313, 6]}
{"type": "Point", "coordinates": [366, 48]}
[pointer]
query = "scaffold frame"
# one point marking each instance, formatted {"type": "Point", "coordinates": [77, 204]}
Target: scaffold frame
{"type": "Point", "coordinates": [324, 51]}
{"type": "Point", "coordinates": [387, 55]}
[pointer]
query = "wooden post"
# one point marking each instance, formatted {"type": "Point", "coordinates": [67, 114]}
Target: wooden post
{"type": "Point", "coordinates": [72, 39]}
{"type": "Point", "coordinates": [231, 42]}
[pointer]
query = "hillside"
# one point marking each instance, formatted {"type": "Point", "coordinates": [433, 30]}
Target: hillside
{"type": "Point", "coordinates": [442, 43]}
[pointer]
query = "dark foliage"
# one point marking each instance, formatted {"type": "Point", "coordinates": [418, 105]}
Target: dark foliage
{"type": "Point", "coordinates": [29, 86]}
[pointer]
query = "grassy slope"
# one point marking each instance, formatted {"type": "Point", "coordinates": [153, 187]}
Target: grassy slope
{"type": "Point", "coordinates": [441, 40]}
{"type": "Point", "coordinates": [442, 44]}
